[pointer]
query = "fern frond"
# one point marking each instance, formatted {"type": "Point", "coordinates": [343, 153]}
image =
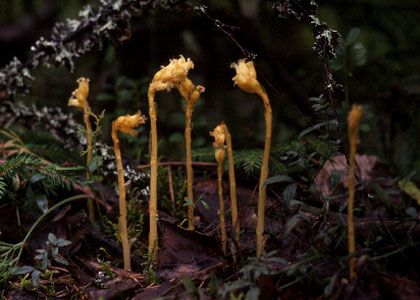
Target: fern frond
{"type": "Point", "coordinates": [18, 163]}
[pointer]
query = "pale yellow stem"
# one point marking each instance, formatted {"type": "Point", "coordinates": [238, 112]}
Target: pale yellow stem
{"type": "Point", "coordinates": [232, 188]}
{"type": "Point", "coordinates": [353, 126]}
{"type": "Point", "coordinates": [153, 234]}
{"type": "Point", "coordinates": [264, 173]}
{"type": "Point", "coordinates": [122, 218]}
{"type": "Point", "coordinates": [86, 114]}
{"type": "Point", "coordinates": [190, 172]}
{"type": "Point", "coordinates": [222, 205]}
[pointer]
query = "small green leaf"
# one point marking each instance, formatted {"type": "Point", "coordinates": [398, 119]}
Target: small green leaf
{"type": "Point", "coordinates": [42, 202]}
{"type": "Point", "coordinates": [187, 201]}
{"type": "Point", "coordinates": [37, 177]}
{"type": "Point", "coordinates": [61, 260]}
{"type": "Point", "coordinates": [95, 163]}
{"type": "Point", "coordinates": [358, 55]}
{"type": "Point", "coordinates": [63, 243]}
{"type": "Point", "coordinates": [412, 212]}
{"type": "Point", "coordinates": [278, 178]}
{"type": "Point", "coordinates": [352, 36]}
{"type": "Point", "coordinates": [289, 192]}
{"type": "Point", "coordinates": [36, 281]}
{"type": "Point", "coordinates": [411, 189]}
{"type": "Point", "coordinates": [52, 238]}
{"type": "Point", "coordinates": [22, 270]}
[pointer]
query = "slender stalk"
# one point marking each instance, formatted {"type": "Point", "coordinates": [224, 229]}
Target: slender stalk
{"type": "Point", "coordinates": [125, 124]}
{"type": "Point", "coordinates": [190, 172]}
{"type": "Point", "coordinates": [79, 98]}
{"type": "Point", "coordinates": [122, 217]}
{"type": "Point", "coordinates": [219, 154]}
{"type": "Point", "coordinates": [153, 237]}
{"type": "Point", "coordinates": [168, 77]}
{"type": "Point", "coordinates": [191, 94]}
{"type": "Point", "coordinates": [86, 114]}
{"type": "Point", "coordinates": [246, 79]}
{"type": "Point", "coordinates": [262, 193]}
{"type": "Point", "coordinates": [232, 188]}
{"type": "Point", "coordinates": [353, 126]}
{"type": "Point", "coordinates": [222, 204]}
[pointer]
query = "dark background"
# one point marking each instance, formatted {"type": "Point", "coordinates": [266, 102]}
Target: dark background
{"type": "Point", "coordinates": [380, 69]}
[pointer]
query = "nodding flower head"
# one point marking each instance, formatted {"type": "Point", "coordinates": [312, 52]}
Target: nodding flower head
{"type": "Point", "coordinates": [128, 123]}
{"type": "Point", "coordinates": [218, 134]}
{"type": "Point", "coordinates": [246, 76]}
{"type": "Point", "coordinates": [189, 91]}
{"type": "Point", "coordinates": [79, 96]}
{"type": "Point", "coordinates": [174, 73]}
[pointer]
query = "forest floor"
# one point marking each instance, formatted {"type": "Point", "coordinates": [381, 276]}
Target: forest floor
{"type": "Point", "coordinates": [306, 249]}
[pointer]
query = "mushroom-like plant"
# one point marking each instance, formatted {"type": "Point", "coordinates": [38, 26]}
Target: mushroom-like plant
{"type": "Point", "coordinates": [219, 153]}
{"type": "Point", "coordinates": [166, 78]}
{"type": "Point", "coordinates": [79, 99]}
{"type": "Point", "coordinates": [353, 126]}
{"type": "Point", "coordinates": [232, 184]}
{"type": "Point", "coordinates": [191, 94]}
{"type": "Point", "coordinates": [125, 124]}
{"type": "Point", "coordinates": [246, 79]}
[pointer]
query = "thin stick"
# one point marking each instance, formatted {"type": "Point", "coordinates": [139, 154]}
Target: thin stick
{"type": "Point", "coordinates": [171, 187]}
{"type": "Point", "coordinates": [179, 163]}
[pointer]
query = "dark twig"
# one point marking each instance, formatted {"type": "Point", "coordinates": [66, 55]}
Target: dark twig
{"type": "Point", "coordinates": [179, 163]}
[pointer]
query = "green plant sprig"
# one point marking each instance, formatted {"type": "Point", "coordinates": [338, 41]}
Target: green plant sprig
{"type": "Point", "coordinates": [10, 254]}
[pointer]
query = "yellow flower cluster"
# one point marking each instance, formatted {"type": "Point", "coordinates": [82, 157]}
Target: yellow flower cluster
{"type": "Point", "coordinates": [174, 73]}
{"type": "Point", "coordinates": [79, 96]}
{"type": "Point", "coordinates": [128, 123]}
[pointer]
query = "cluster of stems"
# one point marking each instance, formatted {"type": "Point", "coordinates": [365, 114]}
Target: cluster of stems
{"type": "Point", "coordinates": [125, 124]}
{"type": "Point", "coordinates": [174, 75]}
{"type": "Point", "coordinates": [246, 79]}
{"type": "Point", "coordinates": [223, 140]}
{"type": "Point", "coordinates": [353, 126]}
{"type": "Point", "coordinates": [191, 95]}
{"type": "Point", "coordinates": [219, 153]}
{"type": "Point", "coordinates": [79, 98]}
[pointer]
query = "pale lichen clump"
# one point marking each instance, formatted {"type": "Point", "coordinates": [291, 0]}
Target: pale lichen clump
{"type": "Point", "coordinates": [246, 79]}
{"type": "Point", "coordinates": [125, 124]}
{"type": "Point", "coordinates": [79, 99]}
{"type": "Point", "coordinates": [353, 120]}
{"type": "Point", "coordinates": [218, 134]}
{"type": "Point", "coordinates": [166, 78]}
